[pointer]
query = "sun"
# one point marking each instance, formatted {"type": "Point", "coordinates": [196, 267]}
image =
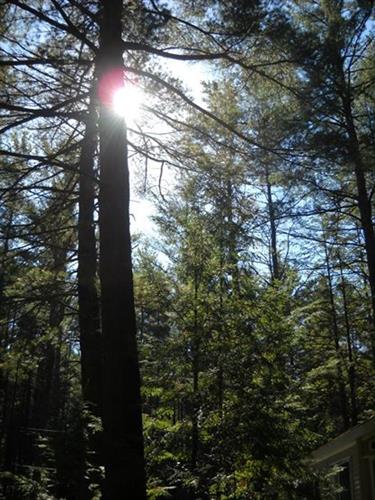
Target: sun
{"type": "Point", "coordinates": [127, 102]}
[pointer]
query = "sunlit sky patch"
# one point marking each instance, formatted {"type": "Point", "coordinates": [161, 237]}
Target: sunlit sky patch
{"type": "Point", "coordinates": [191, 75]}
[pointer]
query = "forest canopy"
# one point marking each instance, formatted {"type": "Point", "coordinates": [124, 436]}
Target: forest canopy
{"type": "Point", "coordinates": [206, 355]}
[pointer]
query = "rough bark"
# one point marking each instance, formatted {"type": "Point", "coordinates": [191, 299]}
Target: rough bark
{"type": "Point", "coordinates": [122, 420]}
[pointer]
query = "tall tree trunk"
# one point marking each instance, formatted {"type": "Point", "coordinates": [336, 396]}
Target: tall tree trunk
{"type": "Point", "coordinates": [355, 158]}
{"type": "Point", "coordinates": [365, 281]}
{"type": "Point", "coordinates": [12, 427]}
{"type": "Point", "coordinates": [334, 11]}
{"type": "Point", "coordinates": [89, 320]}
{"type": "Point", "coordinates": [349, 342]}
{"type": "Point", "coordinates": [122, 418]}
{"type": "Point", "coordinates": [5, 312]}
{"type": "Point", "coordinates": [275, 268]}
{"type": "Point", "coordinates": [336, 337]}
{"type": "Point", "coordinates": [88, 301]}
{"type": "Point", "coordinates": [195, 367]}
{"type": "Point", "coordinates": [220, 326]}
{"type": "Point", "coordinates": [220, 374]}
{"type": "Point", "coordinates": [232, 238]}
{"type": "Point", "coordinates": [364, 201]}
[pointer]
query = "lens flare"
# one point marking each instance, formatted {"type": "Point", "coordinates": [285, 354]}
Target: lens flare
{"type": "Point", "coordinates": [122, 94]}
{"type": "Point", "coordinates": [127, 102]}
